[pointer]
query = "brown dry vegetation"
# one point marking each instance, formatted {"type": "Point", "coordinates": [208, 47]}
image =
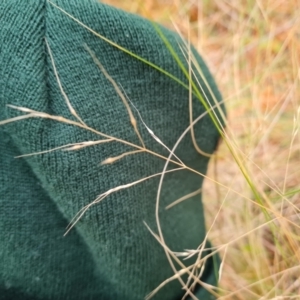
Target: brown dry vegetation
{"type": "Point", "coordinates": [253, 50]}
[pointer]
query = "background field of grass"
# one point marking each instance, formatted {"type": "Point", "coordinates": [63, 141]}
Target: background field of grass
{"type": "Point", "coordinates": [253, 50]}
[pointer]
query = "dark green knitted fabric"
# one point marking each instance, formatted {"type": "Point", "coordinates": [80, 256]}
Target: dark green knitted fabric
{"type": "Point", "coordinates": [109, 254]}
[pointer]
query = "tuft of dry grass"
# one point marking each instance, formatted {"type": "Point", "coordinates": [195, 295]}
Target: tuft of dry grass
{"type": "Point", "coordinates": [252, 48]}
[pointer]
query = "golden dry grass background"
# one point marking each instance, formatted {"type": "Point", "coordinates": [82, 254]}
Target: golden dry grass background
{"type": "Point", "coordinates": [253, 50]}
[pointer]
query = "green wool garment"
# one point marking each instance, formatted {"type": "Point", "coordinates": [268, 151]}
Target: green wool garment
{"type": "Point", "coordinates": [109, 253]}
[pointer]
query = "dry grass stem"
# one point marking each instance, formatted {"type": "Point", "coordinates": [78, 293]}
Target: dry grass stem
{"type": "Point", "coordinates": [117, 89]}
{"type": "Point", "coordinates": [184, 198]}
{"type": "Point", "coordinates": [102, 196]}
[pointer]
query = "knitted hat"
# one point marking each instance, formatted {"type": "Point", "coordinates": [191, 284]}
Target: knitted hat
{"type": "Point", "coordinates": [109, 253]}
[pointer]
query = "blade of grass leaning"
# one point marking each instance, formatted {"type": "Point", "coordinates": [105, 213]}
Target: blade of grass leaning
{"type": "Point", "coordinates": [216, 122]}
{"type": "Point", "coordinates": [206, 104]}
{"type": "Point", "coordinates": [145, 61]}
